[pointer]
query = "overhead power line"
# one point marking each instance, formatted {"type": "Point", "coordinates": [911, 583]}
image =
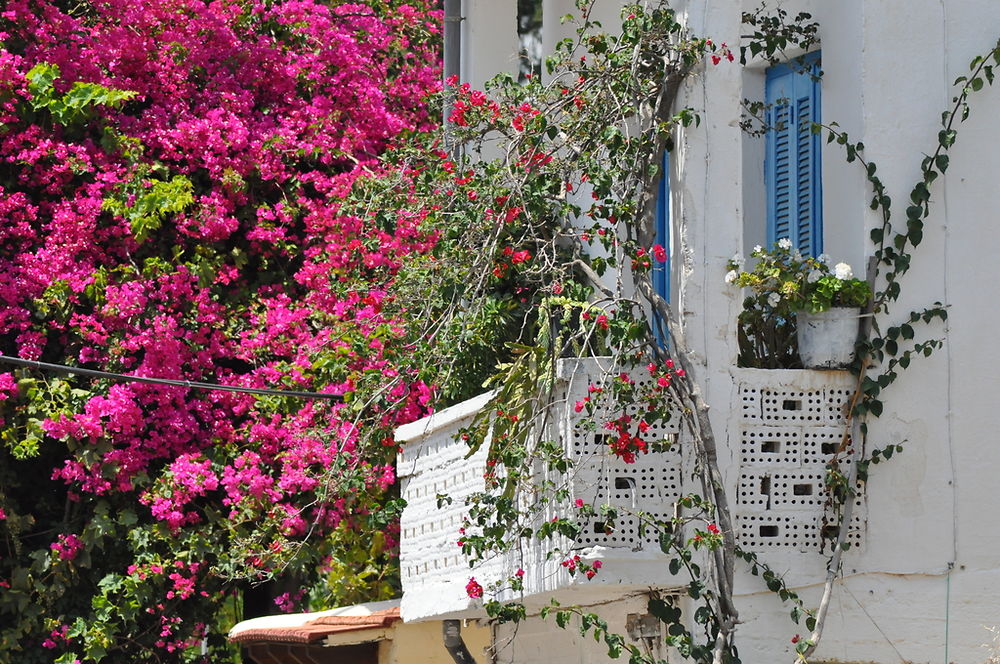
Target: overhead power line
{"type": "Point", "coordinates": [191, 384]}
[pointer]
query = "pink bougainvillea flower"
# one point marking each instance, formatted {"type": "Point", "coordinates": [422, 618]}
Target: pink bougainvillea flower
{"type": "Point", "coordinates": [473, 589]}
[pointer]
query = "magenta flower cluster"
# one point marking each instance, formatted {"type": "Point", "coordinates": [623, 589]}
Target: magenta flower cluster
{"type": "Point", "coordinates": [173, 178]}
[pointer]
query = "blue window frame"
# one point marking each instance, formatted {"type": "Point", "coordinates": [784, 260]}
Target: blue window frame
{"type": "Point", "coordinates": [792, 165]}
{"type": "Point", "coordinates": [661, 271]}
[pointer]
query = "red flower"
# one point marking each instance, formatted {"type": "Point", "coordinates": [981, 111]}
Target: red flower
{"type": "Point", "coordinates": [795, 639]}
{"type": "Point", "coordinates": [473, 589]}
{"type": "Point", "coordinates": [512, 214]}
{"type": "Point", "coordinates": [712, 528]}
{"type": "Point", "coordinates": [659, 253]}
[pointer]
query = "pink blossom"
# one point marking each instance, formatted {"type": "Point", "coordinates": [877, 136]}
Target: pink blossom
{"type": "Point", "coordinates": [473, 589]}
{"type": "Point", "coordinates": [67, 546]}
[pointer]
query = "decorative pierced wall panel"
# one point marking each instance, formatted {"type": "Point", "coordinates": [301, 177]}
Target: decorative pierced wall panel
{"type": "Point", "coordinates": [788, 425]}
{"type": "Point", "coordinates": [651, 484]}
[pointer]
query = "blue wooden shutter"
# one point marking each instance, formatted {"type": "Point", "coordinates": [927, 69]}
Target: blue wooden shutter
{"type": "Point", "coordinates": [792, 162]}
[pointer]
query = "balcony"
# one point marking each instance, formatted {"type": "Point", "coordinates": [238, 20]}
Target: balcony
{"type": "Point", "coordinates": [782, 428]}
{"type": "Point", "coordinates": [432, 463]}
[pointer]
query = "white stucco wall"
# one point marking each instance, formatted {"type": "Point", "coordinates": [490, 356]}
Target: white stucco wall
{"type": "Point", "coordinates": [930, 565]}
{"type": "Point", "coordinates": [489, 40]}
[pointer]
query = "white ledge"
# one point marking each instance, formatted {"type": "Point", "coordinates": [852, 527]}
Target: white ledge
{"type": "Point", "coordinates": [442, 419]}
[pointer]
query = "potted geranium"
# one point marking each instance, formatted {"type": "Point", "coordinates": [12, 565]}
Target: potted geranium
{"type": "Point", "coordinates": [824, 300]}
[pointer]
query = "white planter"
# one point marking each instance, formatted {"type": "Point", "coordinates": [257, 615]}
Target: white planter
{"type": "Point", "coordinates": [826, 339]}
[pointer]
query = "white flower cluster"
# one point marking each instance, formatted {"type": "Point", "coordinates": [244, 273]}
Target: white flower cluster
{"type": "Point", "coordinates": [842, 271]}
{"type": "Point", "coordinates": [736, 265]}
{"type": "Point", "coordinates": [785, 243]}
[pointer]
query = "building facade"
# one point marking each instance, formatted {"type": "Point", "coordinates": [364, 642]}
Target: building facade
{"type": "Point", "coordinates": [922, 583]}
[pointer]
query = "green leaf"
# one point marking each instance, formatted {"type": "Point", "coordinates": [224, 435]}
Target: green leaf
{"type": "Point", "coordinates": [665, 612]}
{"type": "Point", "coordinates": [147, 210]}
{"type": "Point", "coordinates": [41, 78]}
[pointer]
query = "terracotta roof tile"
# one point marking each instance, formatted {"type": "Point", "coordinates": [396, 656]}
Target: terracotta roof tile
{"type": "Point", "coordinates": [312, 631]}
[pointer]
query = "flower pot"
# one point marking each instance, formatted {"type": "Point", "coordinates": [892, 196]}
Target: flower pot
{"type": "Point", "coordinates": [826, 339]}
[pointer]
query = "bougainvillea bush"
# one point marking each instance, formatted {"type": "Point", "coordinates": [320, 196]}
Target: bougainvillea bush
{"type": "Point", "coordinates": [176, 187]}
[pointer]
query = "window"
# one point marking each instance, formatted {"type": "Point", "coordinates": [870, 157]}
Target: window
{"type": "Point", "coordinates": [661, 270]}
{"type": "Point", "coordinates": [792, 159]}
{"type": "Point", "coordinates": [529, 35]}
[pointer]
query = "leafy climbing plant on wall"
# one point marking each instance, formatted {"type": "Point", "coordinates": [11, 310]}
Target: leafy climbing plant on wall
{"type": "Point", "coordinates": [570, 205]}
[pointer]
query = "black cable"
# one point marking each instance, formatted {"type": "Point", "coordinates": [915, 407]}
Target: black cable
{"type": "Point", "coordinates": [195, 385]}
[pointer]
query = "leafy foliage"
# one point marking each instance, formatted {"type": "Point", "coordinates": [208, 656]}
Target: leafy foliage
{"type": "Point", "coordinates": [180, 187]}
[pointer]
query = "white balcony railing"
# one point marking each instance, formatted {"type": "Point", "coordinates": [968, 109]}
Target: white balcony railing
{"type": "Point", "coordinates": [433, 463]}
